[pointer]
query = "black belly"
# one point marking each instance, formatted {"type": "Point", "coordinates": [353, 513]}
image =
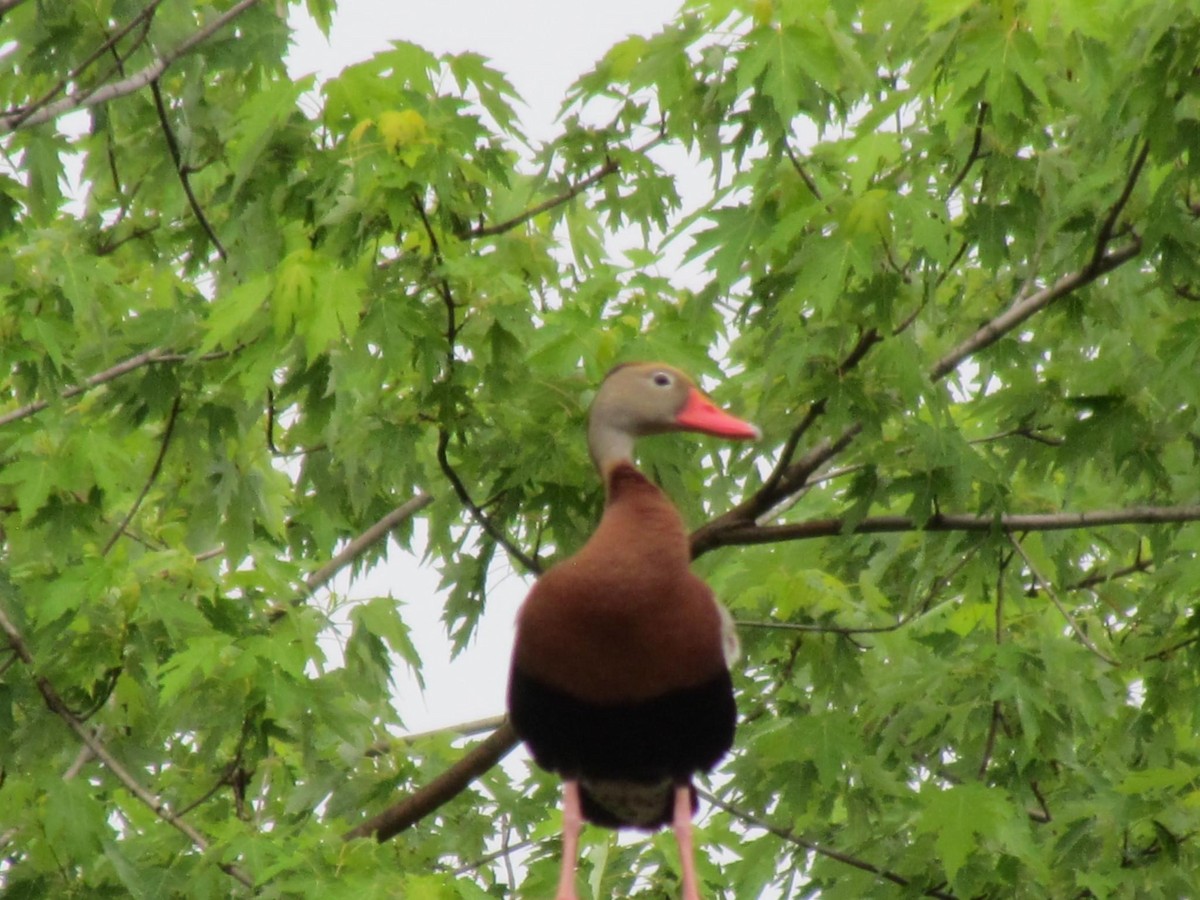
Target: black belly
{"type": "Point", "coordinates": [667, 737]}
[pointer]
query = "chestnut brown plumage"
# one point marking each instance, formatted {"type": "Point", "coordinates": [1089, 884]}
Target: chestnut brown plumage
{"type": "Point", "coordinates": [620, 674]}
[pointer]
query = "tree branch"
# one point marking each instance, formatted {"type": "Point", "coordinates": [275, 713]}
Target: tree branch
{"type": "Point", "coordinates": [481, 518]}
{"type": "Point", "coordinates": [743, 534]}
{"type": "Point", "coordinates": [808, 180]}
{"type": "Point", "coordinates": [121, 368]}
{"type": "Point", "coordinates": [101, 752]}
{"type": "Point", "coordinates": [446, 786]}
{"type": "Point", "coordinates": [462, 729]}
{"type": "Point", "coordinates": [181, 170]}
{"type": "Point", "coordinates": [17, 117]}
{"type": "Point", "coordinates": [359, 545]}
{"type": "Point", "coordinates": [610, 167]}
{"type": "Point", "coordinates": [165, 442]}
{"type": "Point", "coordinates": [1107, 228]}
{"type": "Point", "coordinates": [790, 837]}
{"type": "Point", "coordinates": [1058, 604]}
{"type": "Point", "coordinates": [85, 98]}
{"type": "Point", "coordinates": [149, 357]}
{"type": "Point", "coordinates": [1002, 324]}
{"type": "Point", "coordinates": [974, 155]}
{"type": "Point", "coordinates": [710, 535]}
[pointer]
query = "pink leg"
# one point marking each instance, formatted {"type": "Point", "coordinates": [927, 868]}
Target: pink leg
{"type": "Point", "coordinates": [572, 822]}
{"type": "Point", "coordinates": [683, 837]}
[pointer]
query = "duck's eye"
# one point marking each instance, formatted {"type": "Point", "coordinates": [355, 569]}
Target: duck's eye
{"type": "Point", "coordinates": [662, 379]}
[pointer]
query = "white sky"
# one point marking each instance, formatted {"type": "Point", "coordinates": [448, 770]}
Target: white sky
{"type": "Point", "coordinates": [542, 46]}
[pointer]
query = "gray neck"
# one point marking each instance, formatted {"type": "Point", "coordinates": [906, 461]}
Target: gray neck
{"type": "Point", "coordinates": [608, 445]}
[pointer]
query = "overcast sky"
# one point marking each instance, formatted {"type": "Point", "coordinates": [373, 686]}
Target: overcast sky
{"type": "Point", "coordinates": [542, 46]}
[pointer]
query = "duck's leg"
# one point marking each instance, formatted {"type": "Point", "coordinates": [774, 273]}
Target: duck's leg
{"type": "Point", "coordinates": [572, 823]}
{"type": "Point", "coordinates": [683, 837]}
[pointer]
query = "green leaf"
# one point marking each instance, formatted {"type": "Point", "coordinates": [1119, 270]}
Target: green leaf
{"type": "Point", "coordinates": [229, 322]}
{"type": "Point", "coordinates": [958, 817]}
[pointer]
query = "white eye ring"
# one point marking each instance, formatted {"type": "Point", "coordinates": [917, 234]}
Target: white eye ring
{"type": "Point", "coordinates": [662, 379]}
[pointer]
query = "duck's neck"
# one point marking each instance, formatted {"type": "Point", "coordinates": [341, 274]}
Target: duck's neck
{"type": "Point", "coordinates": [641, 519]}
{"type": "Point", "coordinates": [609, 446]}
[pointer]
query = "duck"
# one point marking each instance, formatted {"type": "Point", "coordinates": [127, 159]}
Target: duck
{"type": "Point", "coordinates": [620, 677]}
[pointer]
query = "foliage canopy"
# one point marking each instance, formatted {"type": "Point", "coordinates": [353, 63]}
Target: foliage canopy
{"type": "Point", "coordinates": [252, 327]}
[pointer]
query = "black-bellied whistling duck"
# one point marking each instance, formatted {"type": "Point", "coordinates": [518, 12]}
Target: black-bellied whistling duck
{"type": "Point", "coordinates": [620, 673]}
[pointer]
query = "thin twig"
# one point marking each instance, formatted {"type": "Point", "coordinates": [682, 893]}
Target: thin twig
{"type": "Point", "coordinates": [1058, 604]}
{"type": "Point", "coordinates": [164, 122]}
{"type": "Point", "coordinates": [506, 849]}
{"type": "Point", "coordinates": [802, 172]}
{"type": "Point", "coordinates": [790, 837]}
{"type": "Point", "coordinates": [858, 352]}
{"type": "Point", "coordinates": [1167, 652]}
{"type": "Point", "coordinates": [481, 518]}
{"type": "Point", "coordinates": [154, 356]}
{"type": "Point", "coordinates": [771, 485]}
{"type": "Point", "coordinates": [92, 97]}
{"type": "Point", "coordinates": [1092, 579]}
{"type": "Point", "coordinates": [122, 368]}
{"type": "Point", "coordinates": [989, 744]}
{"type": "Point", "coordinates": [227, 775]}
{"type": "Point", "coordinates": [372, 535]}
{"type": "Point", "coordinates": [462, 729]}
{"type": "Point", "coordinates": [165, 442]}
{"type": "Point", "coordinates": [1043, 814]}
{"type": "Point", "coordinates": [1107, 228]}
{"type": "Point", "coordinates": [85, 734]}
{"type": "Point", "coordinates": [610, 167]}
{"type": "Point", "coordinates": [974, 154]}
{"type": "Point", "coordinates": [17, 117]}
{"type": "Point", "coordinates": [82, 758]}
{"type": "Point", "coordinates": [443, 444]}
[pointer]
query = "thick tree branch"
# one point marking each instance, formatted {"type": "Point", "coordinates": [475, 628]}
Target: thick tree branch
{"type": "Point", "coordinates": [1025, 307]}
{"type": "Point", "coordinates": [745, 534]}
{"type": "Point", "coordinates": [101, 752]}
{"type": "Point", "coordinates": [84, 98]}
{"type": "Point", "coordinates": [446, 786]}
{"type": "Point", "coordinates": [790, 837]}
